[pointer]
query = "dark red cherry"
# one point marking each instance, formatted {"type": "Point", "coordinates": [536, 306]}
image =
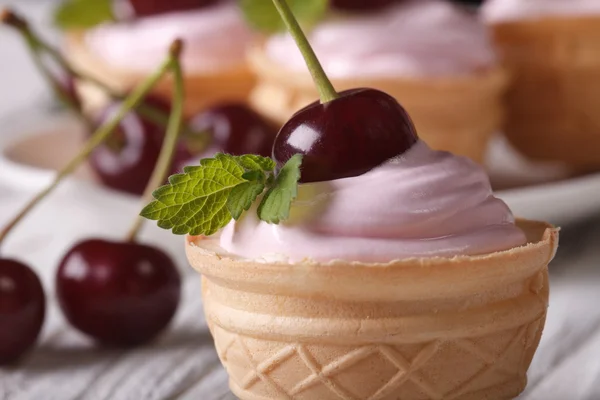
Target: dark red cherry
{"type": "Point", "coordinates": [22, 309]}
{"type": "Point", "coordinates": [360, 5]}
{"type": "Point", "coordinates": [126, 161]}
{"type": "Point", "coordinates": [233, 128]}
{"type": "Point", "coordinates": [116, 292]}
{"type": "Point", "coordinates": [347, 136]}
{"type": "Point", "coordinates": [144, 8]}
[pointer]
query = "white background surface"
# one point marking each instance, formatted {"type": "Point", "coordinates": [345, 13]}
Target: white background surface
{"type": "Point", "coordinates": [183, 364]}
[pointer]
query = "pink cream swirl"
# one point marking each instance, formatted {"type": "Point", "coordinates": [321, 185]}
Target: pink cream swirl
{"type": "Point", "coordinates": [423, 204]}
{"type": "Point", "coordinates": [215, 37]}
{"type": "Point", "coordinates": [415, 38]}
{"type": "Point", "coordinates": [514, 10]}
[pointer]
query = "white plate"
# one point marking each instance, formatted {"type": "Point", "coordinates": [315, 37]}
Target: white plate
{"type": "Point", "coordinates": [34, 145]}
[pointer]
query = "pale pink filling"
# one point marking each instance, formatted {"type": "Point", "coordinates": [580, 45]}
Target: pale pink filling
{"type": "Point", "coordinates": [506, 10]}
{"type": "Point", "coordinates": [424, 204]}
{"type": "Point", "coordinates": [413, 38]}
{"type": "Point", "coordinates": [215, 37]}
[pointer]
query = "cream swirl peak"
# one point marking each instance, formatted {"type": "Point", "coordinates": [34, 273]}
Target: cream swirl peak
{"type": "Point", "coordinates": [507, 10]}
{"type": "Point", "coordinates": [411, 39]}
{"type": "Point", "coordinates": [423, 204]}
{"type": "Point", "coordinates": [215, 37]}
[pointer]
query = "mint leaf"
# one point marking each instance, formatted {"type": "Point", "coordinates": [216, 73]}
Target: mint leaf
{"type": "Point", "coordinates": [205, 198]}
{"type": "Point", "coordinates": [83, 14]}
{"type": "Point", "coordinates": [254, 175]}
{"type": "Point", "coordinates": [275, 206]}
{"type": "Point", "coordinates": [256, 163]}
{"type": "Point", "coordinates": [262, 14]}
{"type": "Point", "coordinates": [195, 202]}
{"type": "Point", "coordinates": [242, 196]}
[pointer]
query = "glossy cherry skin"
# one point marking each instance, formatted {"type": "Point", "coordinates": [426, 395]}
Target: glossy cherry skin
{"type": "Point", "coordinates": [22, 309]}
{"type": "Point", "coordinates": [233, 128]}
{"type": "Point", "coordinates": [360, 5]}
{"type": "Point", "coordinates": [126, 161]}
{"type": "Point", "coordinates": [346, 137]}
{"type": "Point", "coordinates": [144, 8]}
{"type": "Point", "coordinates": [118, 293]}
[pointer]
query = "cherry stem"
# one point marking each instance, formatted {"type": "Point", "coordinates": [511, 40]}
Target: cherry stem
{"type": "Point", "coordinates": [95, 140]}
{"type": "Point", "coordinates": [162, 167]}
{"type": "Point", "coordinates": [37, 45]}
{"type": "Point", "coordinates": [326, 90]}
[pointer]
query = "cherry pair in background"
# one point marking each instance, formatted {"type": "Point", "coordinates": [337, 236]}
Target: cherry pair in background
{"type": "Point", "coordinates": [126, 161]}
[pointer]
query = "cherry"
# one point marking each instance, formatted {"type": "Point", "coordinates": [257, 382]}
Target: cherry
{"type": "Point", "coordinates": [344, 134]}
{"type": "Point", "coordinates": [144, 8]}
{"type": "Point", "coordinates": [347, 136]}
{"type": "Point", "coordinates": [125, 162]}
{"type": "Point", "coordinates": [125, 293]}
{"type": "Point", "coordinates": [232, 128]}
{"type": "Point", "coordinates": [360, 5]}
{"type": "Point", "coordinates": [22, 309]}
{"type": "Point", "coordinates": [119, 293]}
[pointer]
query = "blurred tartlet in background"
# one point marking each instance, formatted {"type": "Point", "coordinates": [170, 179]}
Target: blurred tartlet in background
{"type": "Point", "coordinates": [551, 49]}
{"type": "Point", "coordinates": [121, 52]}
{"type": "Point", "coordinates": [433, 56]}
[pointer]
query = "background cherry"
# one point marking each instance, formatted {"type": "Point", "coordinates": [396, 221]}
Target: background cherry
{"type": "Point", "coordinates": [347, 136]}
{"type": "Point", "coordinates": [119, 293]}
{"type": "Point", "coordinates": [125, 293]}
{"type": "Point", "coordinates": [126, 160]}
{"type": "Point", "coordinates": [143, 8]}
{"type": "Point", "coordinates": [360, 5]}
{"type": "Point", "coordinates": [232, 128]}
{"type": "Point", "coordinates": [22, 309]}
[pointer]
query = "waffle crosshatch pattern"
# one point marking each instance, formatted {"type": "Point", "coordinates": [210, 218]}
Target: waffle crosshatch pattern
{"type": "Point", "coordinates": [463, 328]}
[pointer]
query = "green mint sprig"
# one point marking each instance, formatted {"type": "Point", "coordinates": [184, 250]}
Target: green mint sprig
{"type": "Point", "coordinates": [263, 16]}
{"type": "Point", "coordinates": [205, 198]}
{"type": "Point", "coordinates": [83, 14]}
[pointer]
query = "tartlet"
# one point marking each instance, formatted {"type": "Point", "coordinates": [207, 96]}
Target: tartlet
{"type": "Point", "coordinates": [359, 263]}
{"type": "Point", "coordinates": [122, 54]}
{"type": "Point", "coordinates": [459, 328]}
{"type": "Point", "coordinates": [550, 49]}
{"type": "Point", "coordinates": [454, 97]}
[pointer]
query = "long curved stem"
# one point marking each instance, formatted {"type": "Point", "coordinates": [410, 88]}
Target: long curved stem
{"type": "Point", "coordinates": [326, 90]}
{"type": "Point", "coordinates": [161, 170]}
{"type": "Point", "coordinates": [37, 46]}
{"type": "Point", "coordinates": [97, 138]}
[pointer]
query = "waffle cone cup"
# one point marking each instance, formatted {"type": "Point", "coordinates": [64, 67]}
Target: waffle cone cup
{"type": "Point", "coordinates": [553, 102]}
{"type": "Point", "coordinates": [202, 90]}
{"type": "Point", "coordinates": [457, 114]}
{"type": "Point", "coordinates": [462, 328]}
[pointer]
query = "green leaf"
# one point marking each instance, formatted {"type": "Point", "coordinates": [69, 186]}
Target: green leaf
{"type": "Point", "coordinates": [83, 14]}
{"type": "Point", "coordinates": [254, 175]}
{"type": "Point", "coordinates": [242, 196]}
{"type": "Point", "coordinates": [195, 202]}
{"type": "Point", "coordinates": [275, 206]}
{"type": "Point", "coordinates": [262, 14]}
{"type": "Point", "coordinates": [256, 163]}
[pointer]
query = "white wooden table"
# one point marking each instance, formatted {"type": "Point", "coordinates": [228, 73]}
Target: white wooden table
{"type": "Point", "coordinates": [182, 364]}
